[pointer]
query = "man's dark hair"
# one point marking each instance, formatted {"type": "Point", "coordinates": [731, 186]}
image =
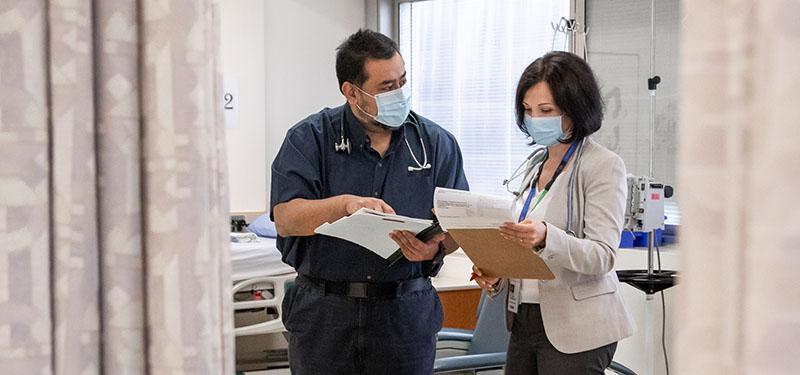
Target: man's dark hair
{"type": "Point", "coordinates": [574, 90]}
{"type": "Point", "coordinates": [352, 55]}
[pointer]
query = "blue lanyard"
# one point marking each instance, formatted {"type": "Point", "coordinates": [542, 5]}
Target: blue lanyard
{"type": "Point", "coordinates": [524, 213]}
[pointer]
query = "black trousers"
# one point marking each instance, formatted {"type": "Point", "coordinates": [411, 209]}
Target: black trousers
{"type": "Point", "coordinates": [333, 334]}
{"type": "Point", "coordinates": [531, 353]}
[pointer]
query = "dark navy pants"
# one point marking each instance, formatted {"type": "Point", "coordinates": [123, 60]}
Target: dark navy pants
{"type": "Point", "coordinates": [333, 334]}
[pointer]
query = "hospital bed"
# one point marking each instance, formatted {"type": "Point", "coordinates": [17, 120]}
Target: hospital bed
{"type": "Point", "coordinates": [259, 283]}
{"type": "Point", "coordinates": [257, 259]}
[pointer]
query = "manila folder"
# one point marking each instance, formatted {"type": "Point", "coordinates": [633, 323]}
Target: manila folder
{"type": "Point", "coordinates": [499, 257]}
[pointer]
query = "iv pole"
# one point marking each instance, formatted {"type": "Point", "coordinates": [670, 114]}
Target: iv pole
{"type": "Point", "coordinates": [652, 84]}
{"type": "Point", "coordinates": [649, 281]}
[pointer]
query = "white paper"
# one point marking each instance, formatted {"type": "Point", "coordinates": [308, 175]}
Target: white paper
{"type": "Point", "coordinates": [459, 209]}
{"type": "Point", "coordinates": [371, 229]}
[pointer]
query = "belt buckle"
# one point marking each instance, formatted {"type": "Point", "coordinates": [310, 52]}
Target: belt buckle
{"type": "Point", "coordinates": [357, 290]}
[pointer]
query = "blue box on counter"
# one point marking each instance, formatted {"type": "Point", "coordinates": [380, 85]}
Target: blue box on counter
{"type": "Point", "coordinates": [639, 239]}
{"type": "Point", "coordinates": [626, 240]}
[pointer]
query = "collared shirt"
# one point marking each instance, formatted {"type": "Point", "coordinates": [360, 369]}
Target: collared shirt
{"type": "Point", "coordinates": [307, 166]}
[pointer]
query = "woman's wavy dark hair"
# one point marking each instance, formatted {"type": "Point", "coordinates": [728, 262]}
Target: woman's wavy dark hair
{"type": "Point", "coordinates": [574, 90]}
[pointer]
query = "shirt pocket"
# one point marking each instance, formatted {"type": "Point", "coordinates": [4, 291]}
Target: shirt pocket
{"type": "Point", "coordinates": [593, 288]}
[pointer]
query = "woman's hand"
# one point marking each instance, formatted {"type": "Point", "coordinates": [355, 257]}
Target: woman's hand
{"type": "Point", "coordinates": [528, 233]}
{"type": "Point", "coordinates": [484, 282]}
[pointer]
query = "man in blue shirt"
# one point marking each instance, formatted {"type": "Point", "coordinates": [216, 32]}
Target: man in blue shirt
{"type": "Point", "coordinates": [352, 312]}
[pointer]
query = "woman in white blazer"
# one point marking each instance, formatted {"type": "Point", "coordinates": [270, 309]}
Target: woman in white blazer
{"type": "Point", "coordinates": [571, 207]}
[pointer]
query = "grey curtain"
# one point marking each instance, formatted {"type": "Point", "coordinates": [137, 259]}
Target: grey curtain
{"type": "Point", "coordinates": [113, 198]}
{"type": "Point", "coordinates": [739, 167]}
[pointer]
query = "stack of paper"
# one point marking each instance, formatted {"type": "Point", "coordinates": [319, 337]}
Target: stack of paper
{"type": "Point", "coordinates": [460, 209]}
{"type": "Point", "coordinates": [370, 229]}
{"type": "Point", "coordinates": [473, 221]}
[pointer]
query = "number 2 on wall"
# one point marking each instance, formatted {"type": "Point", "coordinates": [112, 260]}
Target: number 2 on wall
{"type": "Point", "coordinates": [228, 100]}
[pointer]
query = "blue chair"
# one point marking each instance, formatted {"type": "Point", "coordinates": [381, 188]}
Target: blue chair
{"type": "Point", "coordinates": [484, 348]}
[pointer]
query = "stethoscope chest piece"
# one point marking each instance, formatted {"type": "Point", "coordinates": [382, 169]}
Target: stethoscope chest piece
{"type": "Point", "coordinates": [343, 145]}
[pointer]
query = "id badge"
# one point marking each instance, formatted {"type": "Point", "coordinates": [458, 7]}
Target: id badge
{"type": "Point", "coordinates": [514, 289]}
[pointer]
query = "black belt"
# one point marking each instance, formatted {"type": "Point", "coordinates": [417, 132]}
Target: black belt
{"type": "Point", "coordinates": [386, 290]}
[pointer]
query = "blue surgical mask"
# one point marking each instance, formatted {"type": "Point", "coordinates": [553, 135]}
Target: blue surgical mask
{"type": "Point", "coordinates": [393, 106]}
{"type": "Point", "coordinates": [545, 131]}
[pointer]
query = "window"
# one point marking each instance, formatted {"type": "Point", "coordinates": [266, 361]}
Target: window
{"type": "Point", "coordinates": [464, 59]}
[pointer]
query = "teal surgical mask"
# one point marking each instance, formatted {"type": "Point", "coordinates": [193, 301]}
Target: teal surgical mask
{"type": "Point", "coordinates": [545, 131]}
{"type": "Point", "coordinates": [393, 106]}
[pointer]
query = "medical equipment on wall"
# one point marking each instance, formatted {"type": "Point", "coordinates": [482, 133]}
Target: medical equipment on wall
{"type": "Point", "coordinates": [644, 210]}
{"type": "Point", "coordinates": [344, 143]}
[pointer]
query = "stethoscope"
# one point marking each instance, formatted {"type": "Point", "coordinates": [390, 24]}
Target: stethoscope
{"type": "Point", "coordinates": [536, 157]}
{"type": "Point", "coordinates": [344, 143]}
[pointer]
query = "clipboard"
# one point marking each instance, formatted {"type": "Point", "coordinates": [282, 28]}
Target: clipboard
{"type": "Point", "coordinates": [499, 257]}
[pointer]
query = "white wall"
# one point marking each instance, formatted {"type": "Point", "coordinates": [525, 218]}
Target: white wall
{"type": "Point", "coordinates": [301, 41]}
{"type": "Point", "coordinates": [242, 59]}
{"type": "Point", "coordinates": [283, 53]}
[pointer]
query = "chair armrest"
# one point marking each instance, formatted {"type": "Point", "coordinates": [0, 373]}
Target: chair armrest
{"type": "Point", "coordinates": [451, 335]}
{"type": "Point", "coordinates": [620, 369]}
{"type": "Point", "coordinates": [470, 362]}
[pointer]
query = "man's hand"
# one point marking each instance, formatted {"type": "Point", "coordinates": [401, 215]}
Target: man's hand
{"type": "Point", "coordinates": [299, 217]}
{"type": "Point", "coordinates": [415, 250]}
{"type": "Point", "coordinates": [353, 203]}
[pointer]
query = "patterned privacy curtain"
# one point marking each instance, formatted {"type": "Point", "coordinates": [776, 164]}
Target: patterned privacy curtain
{"type": "Point", "coordinates": [113, 203]}
{"type": "Point", "coordinates": [739, 184]}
